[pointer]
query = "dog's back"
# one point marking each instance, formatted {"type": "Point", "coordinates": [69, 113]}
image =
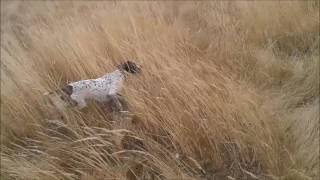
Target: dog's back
{"type": "Point", "coordinates": [97, 89]}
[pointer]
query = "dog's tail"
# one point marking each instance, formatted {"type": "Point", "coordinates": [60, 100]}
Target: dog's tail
{"type": "Point", "coordinates": [66, 89]}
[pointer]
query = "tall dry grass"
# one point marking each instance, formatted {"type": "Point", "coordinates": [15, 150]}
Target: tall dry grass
{"type": "Point", "coordinates": [229, 90]}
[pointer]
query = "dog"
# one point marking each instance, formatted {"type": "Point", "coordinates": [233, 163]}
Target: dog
{"type": "Point", "coordinates": [105, 89]}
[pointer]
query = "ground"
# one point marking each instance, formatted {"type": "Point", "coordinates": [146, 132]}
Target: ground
{"type": "Point", "coordinates": [229, 90]}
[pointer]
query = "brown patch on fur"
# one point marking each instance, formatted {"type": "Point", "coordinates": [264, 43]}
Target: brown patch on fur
{"type": "Point", "coordinates": [66, 95]}
{"type": "Point", "coordinates": [130, 67]}
{"type": "Point", "coordinates": [67, 89]}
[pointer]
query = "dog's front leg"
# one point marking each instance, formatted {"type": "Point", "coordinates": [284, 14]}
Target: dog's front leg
{"type": "Point", "coordinates": [123, 102]}
{"type": "Point", "coordinates": [115, 103]}
{"type": "Point", "coordinates": [81, 104]}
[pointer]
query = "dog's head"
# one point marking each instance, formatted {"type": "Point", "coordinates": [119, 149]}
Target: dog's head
{"type": "Point", "coordinates": [130, 67]}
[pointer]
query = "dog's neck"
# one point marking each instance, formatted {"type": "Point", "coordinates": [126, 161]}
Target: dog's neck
{"type": "Point", "coordinates": [123, 72]}
{"type": "Point", "coordinates": [115, 73]}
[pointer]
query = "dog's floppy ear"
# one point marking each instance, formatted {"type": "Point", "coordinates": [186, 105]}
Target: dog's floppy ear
{"type": "Point", "coordinates": [130, 67]}
{"type": "Point", "coordinates": [67, 89]}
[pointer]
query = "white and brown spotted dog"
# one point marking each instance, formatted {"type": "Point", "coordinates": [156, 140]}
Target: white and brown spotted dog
{"type": "Point", "coordinates": [103, 89]}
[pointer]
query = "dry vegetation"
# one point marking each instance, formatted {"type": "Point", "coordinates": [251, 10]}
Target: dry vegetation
{"type": "Point", "coordinates": [229, 90]}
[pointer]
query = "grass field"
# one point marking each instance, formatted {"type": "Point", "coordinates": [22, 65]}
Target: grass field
{"type": "Point", "coordinates": [229, 90]}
